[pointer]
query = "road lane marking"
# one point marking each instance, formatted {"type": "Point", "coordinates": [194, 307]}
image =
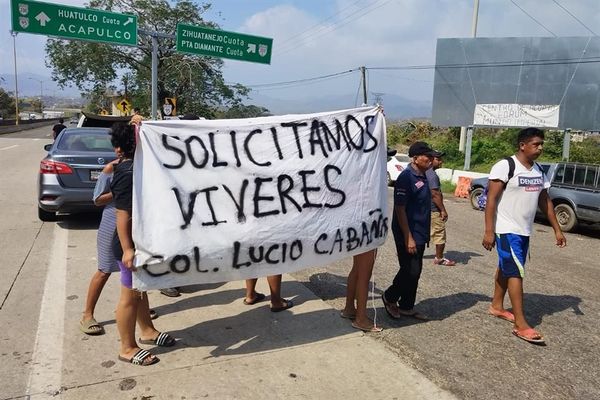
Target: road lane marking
{"type": "Point", "coordinates": [47, 357]}
{"type": "Point", "coordinates": [10, 147]}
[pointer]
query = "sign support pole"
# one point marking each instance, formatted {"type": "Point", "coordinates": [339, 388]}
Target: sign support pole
{"type": "Point", "coordinates": [469, 140]}
{"type": "Point", "coordinates": [154, 36]}
{"type": "Point", "coordinates": [154, 75]}
{"type": "Point", "coordinates": [14, 35]}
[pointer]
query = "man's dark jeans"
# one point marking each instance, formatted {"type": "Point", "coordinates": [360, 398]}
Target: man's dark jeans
{"type": "Point", "coordinates": [404, 287]}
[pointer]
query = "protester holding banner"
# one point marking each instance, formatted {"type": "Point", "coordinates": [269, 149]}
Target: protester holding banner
{"type": "Point", "coordinates": [107, 263]}
{"type": "Point", "coordinates": [357, 292]}
{"type": "Point", "coordinates": [106, 260]}
{"type": "Point", "coordinates": [410, 226]}
{"type": "Point", "coordinates": [133, 305]}
{"type": "Point", "coordinates": [136, 118]}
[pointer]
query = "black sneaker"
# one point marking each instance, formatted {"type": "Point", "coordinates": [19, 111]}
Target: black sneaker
{"type": "Point", "coordinates": [170, 292]}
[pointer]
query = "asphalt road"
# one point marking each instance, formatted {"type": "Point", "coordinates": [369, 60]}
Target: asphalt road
{"type": "Point", "coordinates": [472, 354]}
{"type": "Point", "coordinates": [462, 349]}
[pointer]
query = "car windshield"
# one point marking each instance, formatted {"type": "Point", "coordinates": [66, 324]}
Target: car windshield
{"type": "Point", "coordinates": [92, 141]}
{"type": "Point", "coordinates": [402, 158]}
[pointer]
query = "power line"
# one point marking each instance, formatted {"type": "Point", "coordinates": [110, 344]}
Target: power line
{"type": "Point", "coordinates": [282, 44]}
{"type": "Point", "coordinates": [346, 20]}
{"type": "Point", "coordinates": [530, 16]}
{"type": "Point", "coordinates": [403, 77]}
{"type": "Point", "coordinates": [305, 80]}
{"type": "Point", "coordinates": [516, 63]}
{"type": "Point", "coordinates": [291, 86]}
{"type": "Point", "coordinates": [574, 17]}
{"type": "Point", "coordinates": [323, 29]}
{"type": "Point", "coordinates": [558, 61]}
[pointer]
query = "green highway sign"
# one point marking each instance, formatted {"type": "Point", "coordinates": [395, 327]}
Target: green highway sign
{"type": "Point", "coordinates": [216, 43]}
{"type": "Point", "coordinates": [73, 22]}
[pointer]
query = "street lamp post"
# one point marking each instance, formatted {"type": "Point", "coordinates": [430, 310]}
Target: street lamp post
{"type": "Point", "coordinates": [14, 35]}
{"type": "Point", "coordinates": [41, 94]}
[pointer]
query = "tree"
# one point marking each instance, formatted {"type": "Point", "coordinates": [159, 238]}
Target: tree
{"type": "Point", "coordinates": [197, 82]}
{"type": "Point", "coordinates": [7, 104]}
{"type": "Point", "coordinates": [245, 111]}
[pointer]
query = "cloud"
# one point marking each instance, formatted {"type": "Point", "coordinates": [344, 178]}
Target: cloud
{"type": "Point", "coordinates": [372, 33]}
{"type": "Point", "coordinates": [30, 48]}
{"type": "Point", "coordinates": [389, 33]}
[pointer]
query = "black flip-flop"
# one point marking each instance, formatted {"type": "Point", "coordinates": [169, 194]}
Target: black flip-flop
{"type": "Point", "coordinates": [288, 304]}
{"type": "Point", "coordinates": [259, 297]}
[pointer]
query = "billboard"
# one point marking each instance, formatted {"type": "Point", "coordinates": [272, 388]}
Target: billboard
{"type": "Point", "coordinates": [493, 81]}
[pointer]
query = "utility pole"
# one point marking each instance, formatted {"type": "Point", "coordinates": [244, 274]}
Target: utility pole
{"type": "Point", "coordinates": [364, 84]}
{"type": "Point", "coordinates": [14, 35]}
{"type": "Point", "coordinates": [463, 129]}
{"type": "Point", "coordinates": [566, 145]}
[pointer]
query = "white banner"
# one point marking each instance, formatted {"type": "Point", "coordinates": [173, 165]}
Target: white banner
{"type": "Point", "coordinates": [516, 115]}
{"type": "Point", "coordinates": [223, 200]}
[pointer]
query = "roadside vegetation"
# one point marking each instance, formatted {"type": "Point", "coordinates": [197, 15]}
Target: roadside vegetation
{"type": "Point", "coordinates": [489, 145]}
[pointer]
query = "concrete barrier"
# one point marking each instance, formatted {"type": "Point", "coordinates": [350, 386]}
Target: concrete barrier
{"type": "Point", "coordinates": [25, 126]}
{"type": "Point", "coordinates": [447, 174]}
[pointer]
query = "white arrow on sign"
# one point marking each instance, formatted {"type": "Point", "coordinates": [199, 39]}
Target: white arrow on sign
{"type": "Point", "coordinates": [129, 21]}
{"type": "Point", "coordinates": [42, 18]}
{"type": "Point", "coordinates": [251, 48]}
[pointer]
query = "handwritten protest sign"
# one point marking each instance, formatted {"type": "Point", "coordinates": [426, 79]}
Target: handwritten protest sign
{"type": "Point", "coordinates": [518, 115]}
{"type": "Point", "coordinates": [222, 200]}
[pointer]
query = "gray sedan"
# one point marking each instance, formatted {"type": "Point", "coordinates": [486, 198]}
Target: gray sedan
{"type": "Point", "coordinates": [69, 172]}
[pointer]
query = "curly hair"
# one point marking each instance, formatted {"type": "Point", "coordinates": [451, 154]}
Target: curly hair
{"type": "Point", "coordinates": [123, 136]}
{"type": "Point", "coordinates": [525, 135]}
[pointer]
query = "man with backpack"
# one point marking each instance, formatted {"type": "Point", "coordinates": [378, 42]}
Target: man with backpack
{"type": "Point", "coordinates": [517, 186]}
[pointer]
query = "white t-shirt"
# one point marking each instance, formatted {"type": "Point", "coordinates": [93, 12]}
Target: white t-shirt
{"type": "Point", "coordinates": [518, 203]}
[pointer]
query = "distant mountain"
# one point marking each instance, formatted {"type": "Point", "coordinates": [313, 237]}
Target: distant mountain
{"type": "Point", "coordinates": [29, 85]}
{"type": "Point", "coordinates": [396, 107]}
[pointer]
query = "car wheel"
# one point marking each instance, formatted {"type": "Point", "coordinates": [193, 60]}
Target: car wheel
{"type": "Point", "coordinates": [389, 179]}
{"type": "Point", "coordinates": [475, 196]}
{"type": "Point", "coordinates": [46, 216]}
{"type": "Point", "coordinates": [566, 217]}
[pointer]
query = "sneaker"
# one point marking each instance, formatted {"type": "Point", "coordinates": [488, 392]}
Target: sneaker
{"type": "Point", "coordinates": [170, 292]}
{"type": "Point", "coordinates": [444, 261]}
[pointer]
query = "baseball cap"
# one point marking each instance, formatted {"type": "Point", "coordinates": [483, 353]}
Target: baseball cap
{"type": "Point", "coordinates": [438, 153]}
{"type": "Point", "coordinates": [420, 148]}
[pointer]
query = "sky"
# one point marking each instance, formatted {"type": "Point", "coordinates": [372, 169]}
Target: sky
{"type": "Point", "coordinates": [313, 38]}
